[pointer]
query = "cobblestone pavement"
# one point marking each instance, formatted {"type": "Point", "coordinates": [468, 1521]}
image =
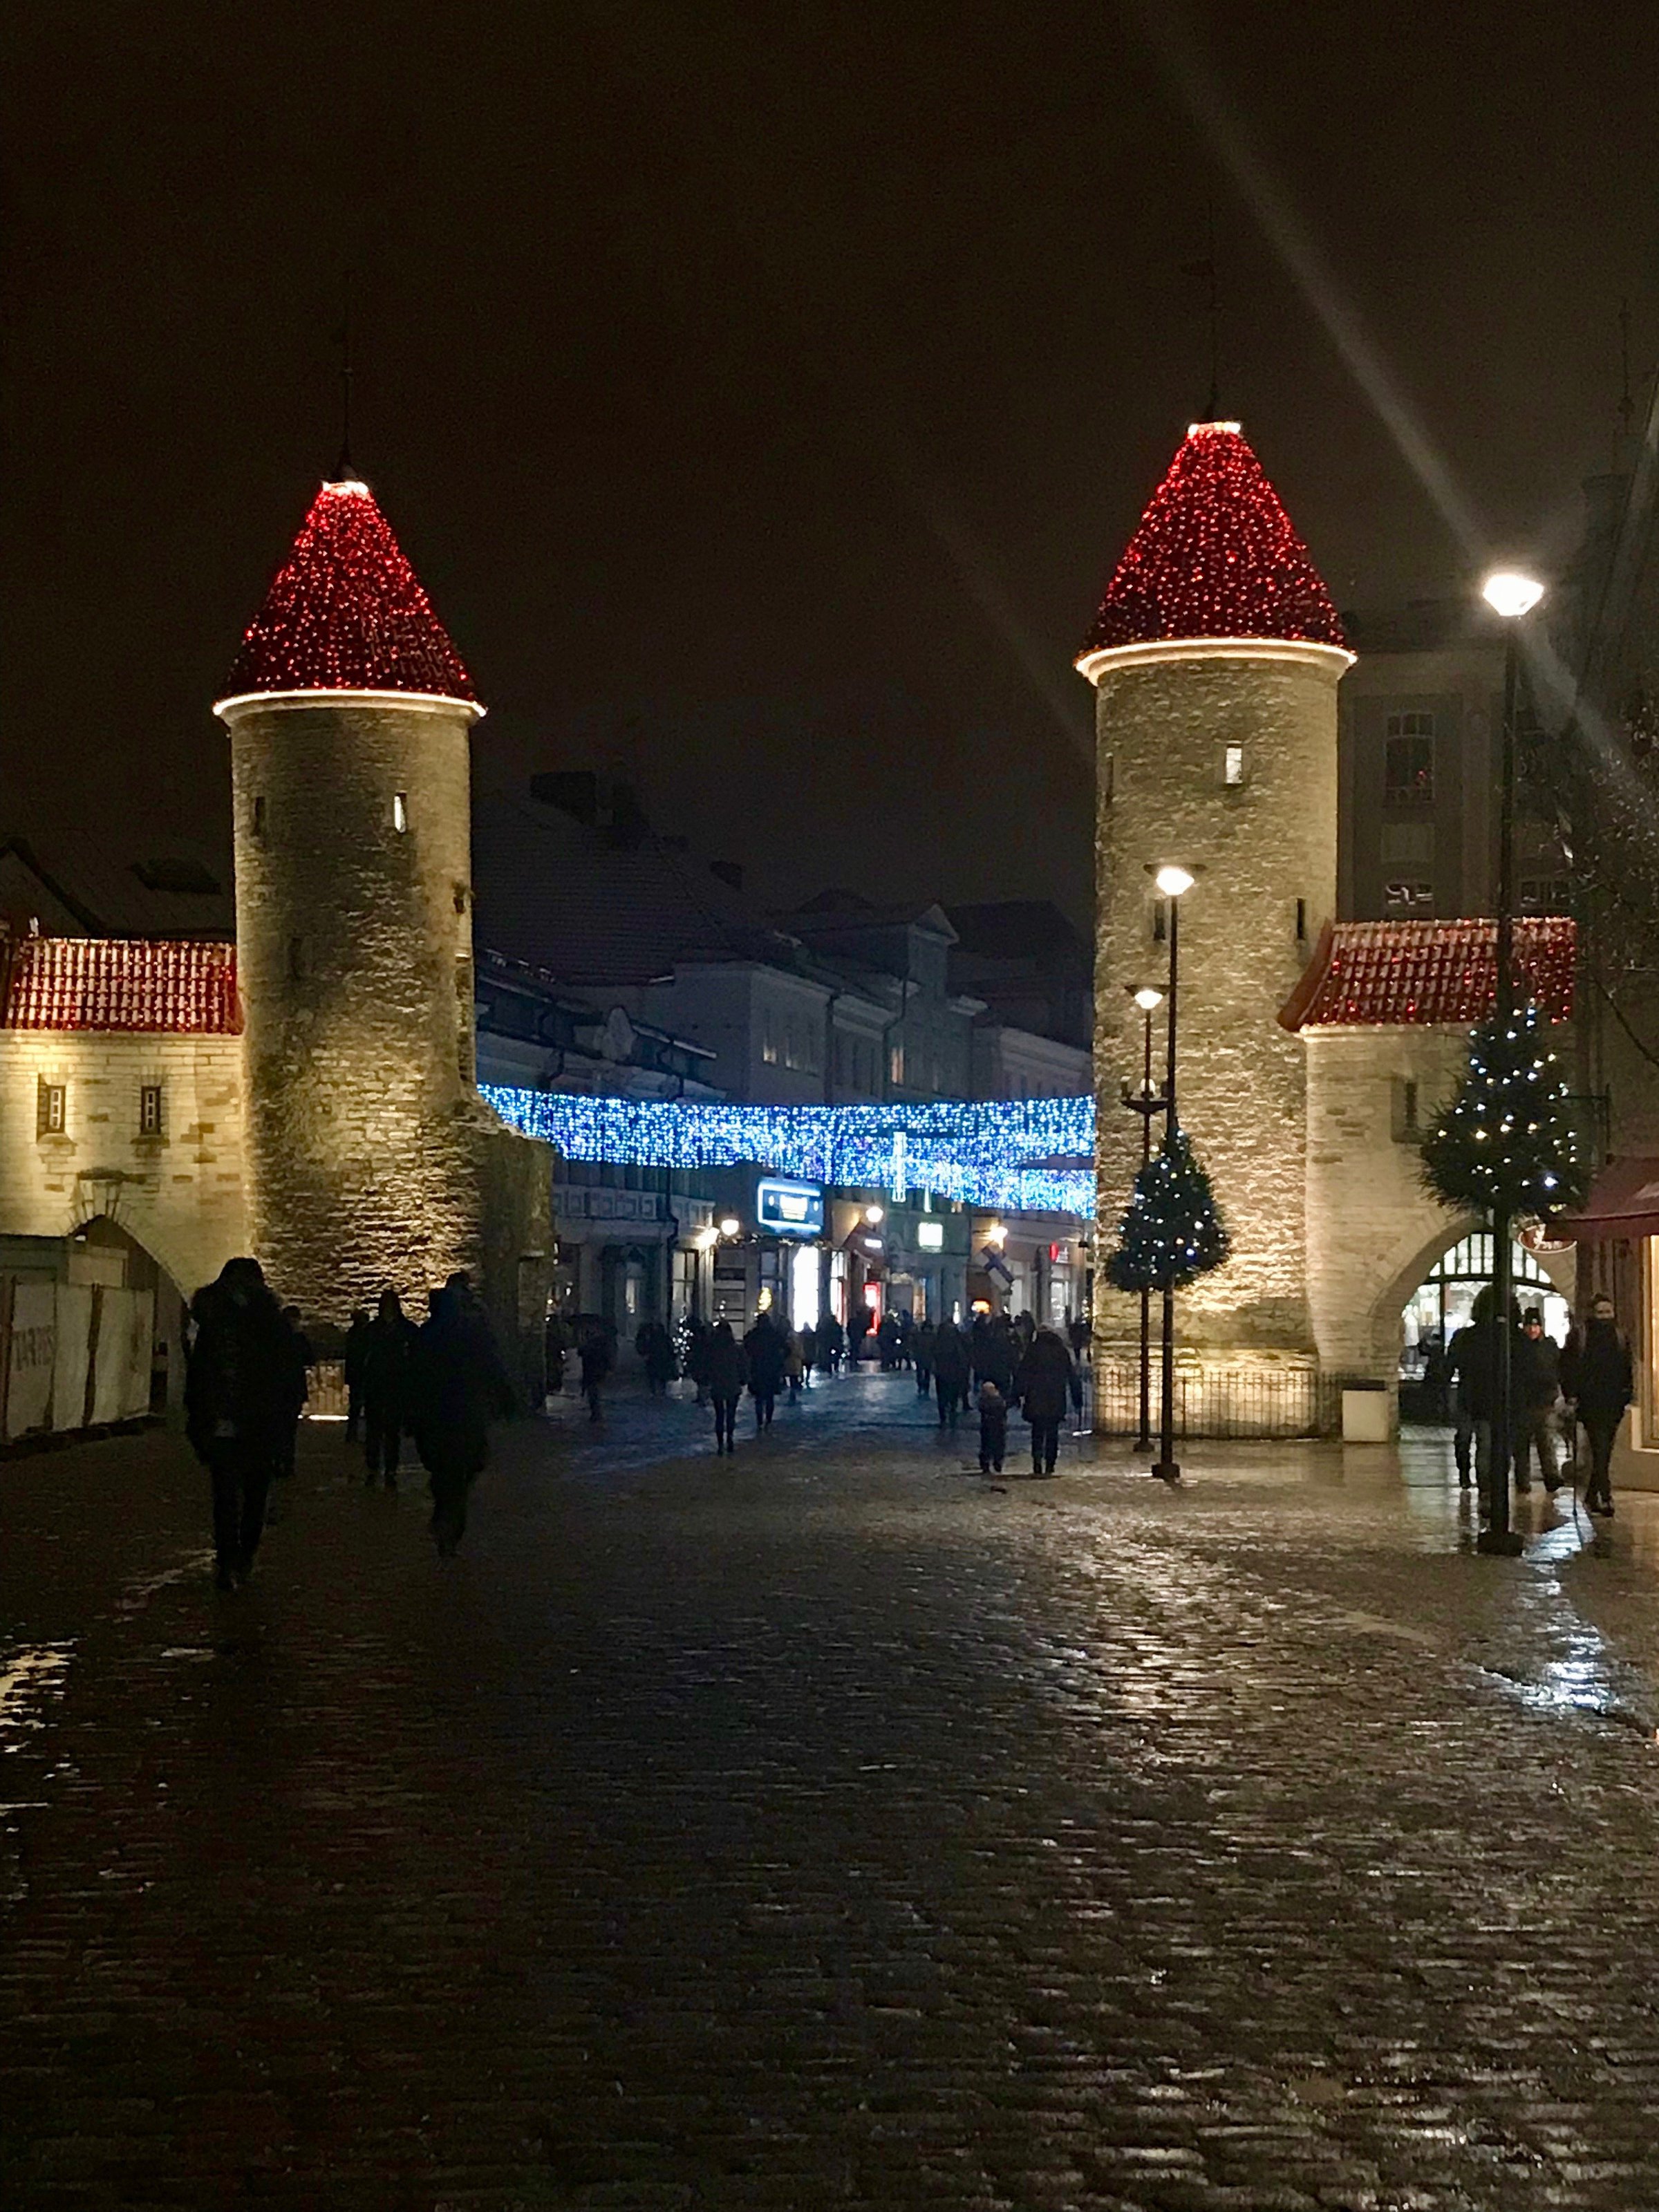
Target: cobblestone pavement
{"type": "Point", "coordinates": [825, 1827]}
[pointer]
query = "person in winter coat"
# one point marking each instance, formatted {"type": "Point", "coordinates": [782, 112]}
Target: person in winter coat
{"type": "Point", "coordinates": [656, 1349]}
{"type": "Point", "coordinates": [456, 1389]}
{"type": "Point", "coordinates": [993, 1429]}
{"type": "Point", "coordinates": [921, 1350]}
{"type": "Point", "coordinates": [1048, 1383]}
{"type": "Point", "coordinates": [598, 1355]}
{"type": "Point", "coordinates": [950, 1371]}
{"type": "Point", "coordinates": [388, 1352]}
{"type": "Point", "coordinates": [1536, 1385]}
{"type": "Point", "coordinates": [698, 1336]}
{"type": "Point", "coordinates": [764, 1348]}
{"type": "Point", "coordinates": [1597, 1376]}
{"type": "Point", "coordinates": [728, 1370]}
{"type": "Point", "coordinates": [888, 1342]}
{"type": "Point", "coordinates": [354, 1372]}
{"type": "Point", "coordinates": [1460, 1347]}
{"type": "Point", "coordinates": [238, 1392]}
{"type": "Point", "coordinates": [832, 1344]}
{"type": "Point", "coordinates": [1473, 1360]}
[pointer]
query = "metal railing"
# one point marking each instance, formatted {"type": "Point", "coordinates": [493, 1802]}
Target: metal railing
{"type": "Point", "coordinates": [1221, 1402]}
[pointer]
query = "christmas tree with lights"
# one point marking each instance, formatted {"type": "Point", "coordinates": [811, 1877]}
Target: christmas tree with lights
{"type": "Point", "coordinates": [1505, 1146]}
{"type": "Point", "coordinates": [1170, 1231]}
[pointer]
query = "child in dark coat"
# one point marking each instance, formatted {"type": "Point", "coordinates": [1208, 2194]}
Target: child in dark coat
{"type": "Point", "coordinates": [992, 1428]}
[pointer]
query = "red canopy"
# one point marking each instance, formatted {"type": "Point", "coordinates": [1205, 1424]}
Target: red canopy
{"type": "Point", "coordinates": [1624, 1202]}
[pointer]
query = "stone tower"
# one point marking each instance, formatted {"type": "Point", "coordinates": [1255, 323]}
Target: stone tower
{"type": "Point", "coordinates": [348, 714]}
{"type": "Point", "coordinates": [1216, 655]}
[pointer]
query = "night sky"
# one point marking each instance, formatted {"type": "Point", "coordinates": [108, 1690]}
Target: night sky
{"type": "Point", "coordinates": [764, 394]}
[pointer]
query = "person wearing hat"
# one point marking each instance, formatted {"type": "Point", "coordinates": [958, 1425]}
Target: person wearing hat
{"type": "Point", "coordinates": [1535, 1387]}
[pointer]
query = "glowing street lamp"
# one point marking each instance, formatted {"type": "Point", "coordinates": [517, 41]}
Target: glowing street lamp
{"type": "Point", "coordinates": [730, 1226]}
{"type": "Point", "coordinates": [1513, 595]}
{"type": "Point", "coordinates": [1146, 1104]}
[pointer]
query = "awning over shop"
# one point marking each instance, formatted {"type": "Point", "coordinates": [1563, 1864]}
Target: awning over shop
{"type": "Point", "coordinates": [1624, 1202]}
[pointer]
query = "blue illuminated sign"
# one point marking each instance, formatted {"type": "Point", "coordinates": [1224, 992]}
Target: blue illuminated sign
{"type": "Point", "coordinates": [789, 1209]}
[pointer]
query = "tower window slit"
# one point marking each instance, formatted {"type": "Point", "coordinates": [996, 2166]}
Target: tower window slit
{"type": "Point", "coordinates": [400, 811]}
{"type": "Point", "coordinates": [1302, 921]}
{"type": "Point", "coordinates": [259, 816]}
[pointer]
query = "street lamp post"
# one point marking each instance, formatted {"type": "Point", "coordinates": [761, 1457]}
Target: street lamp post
{"type": "Point", "coordinates": [1174, 882]}
{"type": "Point", "coordinates": [1512, 596]}
{"type": "Point", "coordinates": [1147, 1103]}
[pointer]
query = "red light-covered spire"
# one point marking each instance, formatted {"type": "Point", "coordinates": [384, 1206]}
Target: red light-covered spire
{"type": "Point", "coordinates": [1215, 555]}
{"type": "Point", "coordinates": [346, 613]}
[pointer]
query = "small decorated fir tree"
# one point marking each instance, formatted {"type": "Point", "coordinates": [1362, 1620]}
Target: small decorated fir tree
{"type": "Point", "coordinates": [1506, 1146]}
{"type": "Point", "coordinates": [1171, 1231]}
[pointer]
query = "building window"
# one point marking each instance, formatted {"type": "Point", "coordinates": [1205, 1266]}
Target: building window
{"type": "Point", "coordinates": [1108, 777]}
{"type": "Point", "coordinates": [1160, 921]}
{"type": "Point", "coordinates": [1545, 895]}
{"type": "Point", "coordinates": [1302, 921]}
{"type": "Point", "coordinates": [1407, 1111]}
{"type": "Point", "coordinates": [260, 817]}
{"type": "Point", "coordinates": [297, 960]}
{"type": "Point", "coordinates": [51, 1110]}
{"type": "Point", "coordinates": [149, 1109]}
{"type": "Point", "coordinates": [896, 1063]}
{"type": "Point", "coordinates": [1408, 760]}
{"type": "Point", "coordinates": [400, 811]}
{"type": "Point", "coordinates": [1232, 766]}
{"type": "Point", "coordinates": [768, 1041]}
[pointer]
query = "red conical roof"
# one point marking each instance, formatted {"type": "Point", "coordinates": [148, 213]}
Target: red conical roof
{"type": "Point", "coordinates": [1215, 555]}
{"type": "Point", "coordinates": [346, 613]}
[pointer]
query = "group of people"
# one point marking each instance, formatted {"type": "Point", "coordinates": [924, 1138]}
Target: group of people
{"type": "Point", "coordinates": [1555, 1391]}
{"type": "Point", "coordinates": [245, 1387]}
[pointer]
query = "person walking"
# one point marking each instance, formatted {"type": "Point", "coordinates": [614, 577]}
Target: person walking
{"type": "Point", "coordinates": [655, 1347]}
{"type": "Point", "coordinates": [698, 1337]}
{"type": "Point", "coordinates": [993, 1429]}
{"type": "Point", "coordinates": [456, 1389]}
{"type": "Point", "coordinates": [597, 1357]}
{"type": "Point", "coordinates": [1464, 1345]}
{"type": "Point", "coordinates": [387, 1352]}
{"type": "Point", "coordinates": [792, 1367]}
{"type": "Point", "coordinates": [832, 1344]}
{"type": "Point", "coordinates": [764, 1347]}
{"type": "Point", "coordinates": [1476, 1351]}
{"type": "Point", "coordinates": [1537, 1386]}
{"type": "Point", "coordinates": [728, 1370]}
{"type": "Point", "coordinates": [921, 1350]}
{"type": "Point", "coordinates": [1597, 1376]}
{"type": "Point", "coordinates": [808, 1338]}
{"type": "Point", "coordinates": [353, 1364]}
{"type": "Point", "coordinates": [888, 1343]}
{"type": "Point", "coordinates": [238, 1389]}
{"type": "Point", "coordinates": [950, 1371]}
{"type": "Point", "coordinates": [1047, 1384]}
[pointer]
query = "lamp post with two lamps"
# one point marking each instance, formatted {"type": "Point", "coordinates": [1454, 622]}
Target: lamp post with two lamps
{"type": "Point", "coordinates": [1512, 596]}
{"type": "Point", "coordinates": [1145, 1102]}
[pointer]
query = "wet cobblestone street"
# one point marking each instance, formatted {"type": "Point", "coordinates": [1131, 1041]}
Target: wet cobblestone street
{"type": "Point", "coordinates": [826, 1826]}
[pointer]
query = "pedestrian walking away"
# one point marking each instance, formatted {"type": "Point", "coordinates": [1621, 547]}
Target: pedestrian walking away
{"type": "Point", "coordinates": [764, 1347]}
{"type": "Point", "coordinates": [921, 1350]}
{"type": "Point", "coordinates": [832, 1344]}
{"type": "Point", "coordinates": [1048, 1383]}
{"type": "Point", "coordinates": [1597, 1376]}
{"type": "Point", "coordinates": [950, 1371]}
{"type": "Point", "coordinates": [1463, 1346]}
{"type": "Point", "coordinates": [456, 1389]}
{"type": "Point", "coordinates": [598, 1356]}
{"type": "Point", "coordinates": [656, 1348]}
{"type": "Point", "coordinates": [728, 1372]}
{"type": "Point", "coordinates": [354, 1372]}
{"type": "Point", "coordinates": [238, 1389]}
{"type": "Point", "coordinates": [388, 1352]}
{"type": "Point", "coordinates": [1537, 1386]}
{"type": "Point", "coordinates": [794, 1368]}
{"type": "Point", "coordinates": [993, 1429]}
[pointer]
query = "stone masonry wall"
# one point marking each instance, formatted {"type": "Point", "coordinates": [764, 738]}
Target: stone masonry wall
{"type": "Point", "coordinates": [178, 1194]}
{"type": "Point", "coordinates": [354, 947]}
{"type": "Point", "coordinates": [1259, 846]}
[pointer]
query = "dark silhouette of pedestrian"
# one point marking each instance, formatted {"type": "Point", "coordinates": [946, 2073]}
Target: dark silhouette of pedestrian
{"type": "Point", "coordinates": [832, 1344]}
{"type": "Point", "coordinates": [354, 1372]}
{"type": "Point", "coordinates": [655, 1347]}
{"type": "Point", "coordinates": [598, 1356]}
{"type": "Point", "coordinates": [388, 1353]}
{"type": "Point", "coordinates": [993, 1429]}
{"type": "Point", "coordinates": [950, 1371]}
{"type": "Point", "coordinates": [470, 1306]}
{"type": "Point", "coordinates": [1597, 1374]}
{"type": "Point", "coordinates": [764, 1348]}
{"type": "Point", "coordinates": [556, 1350]}
{"type": "Point", "coordinates": [807, 1340]}
{"type": "Point", "coordinates": [1047, 1384]}
{"type": "Point", "coordinates": [697, 1338]}
{"type": "Point", "coordinates": [457, 1387]}
{"type": "Point", "coordinates": [1537, 1385]}
{"type": "Point", "coordinates": [238, 1392]}
{"type": "Point", "coordinates": [921, 1350]}
{"type": "Point", "coordinates": [728, 1372]}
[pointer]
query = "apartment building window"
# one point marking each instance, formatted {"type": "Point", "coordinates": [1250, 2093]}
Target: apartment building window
{"type": "Point", "coordinates": [1408, 760]}
{"type": "Point", "coordinates": [51, 1110]}
{"type": "Point", "coordinates": [149, 1109]}
{"type": "Point", "coordinates": [896, 1063]}
{"type": "Point", "coordinates": [769, 1041]}
{"type": "Point", "coordinates": [1545, 894]}
{"type": "Point", "coordinates": [1409, 901]}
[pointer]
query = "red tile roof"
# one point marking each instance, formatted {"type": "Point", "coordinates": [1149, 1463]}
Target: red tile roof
{"type": "Point", "coordinates": [346, 613]}
{"type": "Point", "coordinates": [167, 986]}
{"type": "Point", "coordinates": [1381, 974]}
{"type": "Point", "coordinates": [1215, 555]}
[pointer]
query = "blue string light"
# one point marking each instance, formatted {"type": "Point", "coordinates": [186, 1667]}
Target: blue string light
{"type": "Point", "coordinates": [975, 1152]}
